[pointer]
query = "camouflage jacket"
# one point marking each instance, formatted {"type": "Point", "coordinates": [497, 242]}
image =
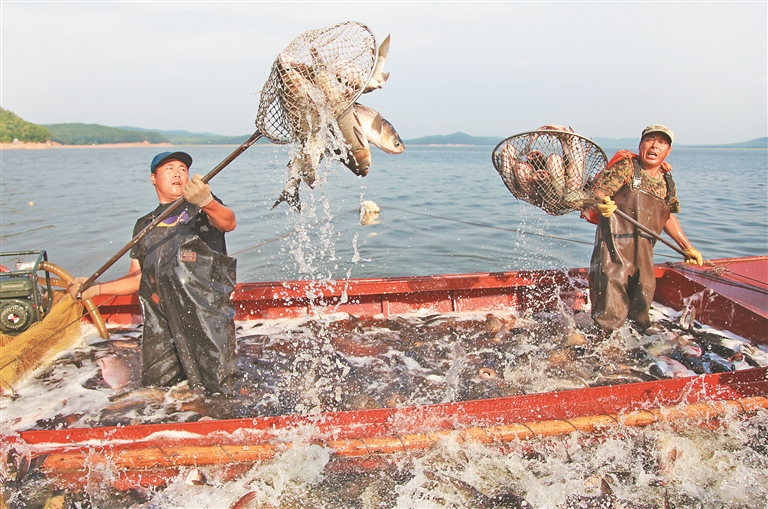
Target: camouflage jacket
{"type": "Point", "coordinates": [620, 172]}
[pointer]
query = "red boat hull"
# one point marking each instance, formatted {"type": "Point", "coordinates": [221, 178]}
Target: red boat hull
{"type": "Point", "coordinates": [734, 298]}
{"type": "Point", "coordinates": [732, 295]}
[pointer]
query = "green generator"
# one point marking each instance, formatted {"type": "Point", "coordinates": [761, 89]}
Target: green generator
{"type": "Point", "coordinates": [23, 299]}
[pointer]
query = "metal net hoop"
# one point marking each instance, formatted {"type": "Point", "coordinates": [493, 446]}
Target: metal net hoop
{"type": "Point", "coordinates": [553, 170]}
{"type": "Point", "coordinates": [319, 75]}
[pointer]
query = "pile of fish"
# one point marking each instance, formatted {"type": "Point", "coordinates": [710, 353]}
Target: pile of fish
{"type": "Point", "coordinates": [309, 93]}
{"type": "Point", "coordinates": [546, 168]}
{"type": "Point", "coordinates": [307, 366]}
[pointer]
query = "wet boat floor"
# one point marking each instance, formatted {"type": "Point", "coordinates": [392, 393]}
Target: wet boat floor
{"type": "Point", "coordinates": [341, 362]}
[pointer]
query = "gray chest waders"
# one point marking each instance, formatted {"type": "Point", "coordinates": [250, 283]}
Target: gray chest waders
{"type": "Point", "coordinates": [189, 329]}
{"type": "Point", "coordinates": [621, 278]}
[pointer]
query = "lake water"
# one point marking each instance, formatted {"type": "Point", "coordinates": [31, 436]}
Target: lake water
{"type": "Point", "coordinates": [443, 210]}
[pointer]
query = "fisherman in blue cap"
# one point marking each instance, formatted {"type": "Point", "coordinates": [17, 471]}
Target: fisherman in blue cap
{"type": "Point", "coordinates": [184, 279]}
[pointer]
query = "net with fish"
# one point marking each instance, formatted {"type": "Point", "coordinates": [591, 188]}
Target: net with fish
{"type": "Point", "coordinates": [551, 169]}
{"type": "Point", "coordinates": [321, 70]}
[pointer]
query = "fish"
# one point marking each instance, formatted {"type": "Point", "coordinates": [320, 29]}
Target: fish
{"type": "Point", "coordinates": [379, 77]}
{"type": "Point", "coordinates": [290, 195]}
{"type": "Point", "coordinates": [476, 498]}
{"type": "Point", "coordinates": [574, 159]}
{"type": "Point", "coordinates": [516, 174]}
{"type": "Point", "coordinates": [358, 156]}
{"type": "Point", "coordinates": [120, 371]}
{"type": "Point", "coordinates": [537, 160]}
{"type": "Point", "coordinates": [508, 160]}
{"type": "Point", "coordinates": [308, 95]}
{"type": "Point", "coordinates": [248, 501]}
{"type": "Point", "coordinates": [296, 95]}
{"type": "Point", "coordinates": [379, 132]}
{"type": "Point", "coordinates": [676, 368]}
{"type": "Point", "coordinates": [302, 167]}
{"type": "Point", "coordinates": [605, 500]}
{"type": "Point", "coordinates": [556, 170]}
{"type": "Point", "coordinates": [195, 477]}
{"type": "Point", "coordinates": [754, 354]}
{"type": "Point", "coordinates": [331, 85]}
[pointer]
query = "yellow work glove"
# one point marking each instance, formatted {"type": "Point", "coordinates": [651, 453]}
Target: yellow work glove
{"type": "Point", "coordinates": [693, 257]}
{"type": "Point", "coordinates": [197, 192]}
{"type": "Point", "coordinates": [607, 208]}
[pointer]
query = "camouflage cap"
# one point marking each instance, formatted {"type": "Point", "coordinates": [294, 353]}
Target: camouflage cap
{"type": "Point", "coordinates": [657, 128]}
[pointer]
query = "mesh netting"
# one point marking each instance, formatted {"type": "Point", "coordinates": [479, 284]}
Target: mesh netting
{"type": "Point", "coordinates": [553, 170]}
{"type": "Point", "coordinates": [321, 70]}
{"type": "Point", "coordinates": [34, 347]}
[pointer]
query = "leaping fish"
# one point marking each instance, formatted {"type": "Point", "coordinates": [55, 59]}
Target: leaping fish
{"type": "Point", "coordinates": [378, 130]}
{"type": "Point", "coordinates": [358, 156]}
{"type": "Point", "coordinates": [379, 77]}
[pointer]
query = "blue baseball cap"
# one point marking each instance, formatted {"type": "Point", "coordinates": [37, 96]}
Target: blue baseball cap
{"type": "Point", "coordinates": [167, 156]}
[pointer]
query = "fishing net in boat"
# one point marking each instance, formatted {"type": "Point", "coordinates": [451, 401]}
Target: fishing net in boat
{"type": "Point", "coordinates": [549, 168]}
{"type": "Point", "coordinates": [322, 71]}
{"type": "Point", "coordinates": [42, 341]}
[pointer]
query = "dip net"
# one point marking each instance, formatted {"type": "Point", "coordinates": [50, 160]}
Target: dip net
{"type": "Point", "coordinates": [322, 71]}
{"type": "Point", "coordinates": [551, 169]}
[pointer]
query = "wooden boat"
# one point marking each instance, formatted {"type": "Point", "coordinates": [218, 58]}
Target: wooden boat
{"type": "Point", "coordinates": [731, 294]}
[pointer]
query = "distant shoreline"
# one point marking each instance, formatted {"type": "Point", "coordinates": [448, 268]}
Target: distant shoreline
{"type": "Point", "coordinates": [20, 145]}
{"type": "Point", "coordinates": [54, 145]}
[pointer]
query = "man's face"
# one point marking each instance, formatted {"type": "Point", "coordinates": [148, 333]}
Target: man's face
{"type": "Point", "coordinates": [169, 180]}
{"type": "Point", "coordinates": [653, 149]}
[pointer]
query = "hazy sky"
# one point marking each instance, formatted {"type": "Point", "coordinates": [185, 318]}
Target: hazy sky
{"type": "Point", "coordinates": [488, 69]}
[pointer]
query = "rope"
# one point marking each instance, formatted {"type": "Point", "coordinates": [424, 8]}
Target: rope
{"type": "Point", "coordinates": [715, 275]}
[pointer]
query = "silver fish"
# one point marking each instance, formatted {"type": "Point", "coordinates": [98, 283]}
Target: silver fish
{"type": "Point", "coordinates": [379, 77]}
{"type": "Point", "coordinates": [556, 169]}
{"type": "Point", "coordinates": [358, 156]}
{"type": "Point", "coordinates": [378, 130]}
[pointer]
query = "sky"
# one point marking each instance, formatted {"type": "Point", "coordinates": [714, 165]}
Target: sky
{"type": "Point", "coordinates": [607, 69]}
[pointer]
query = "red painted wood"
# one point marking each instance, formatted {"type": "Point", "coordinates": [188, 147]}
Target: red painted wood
{"type": "Point", "coordinates": [736, 300]}
{"type": "Point", "coordinates": [398, 421]}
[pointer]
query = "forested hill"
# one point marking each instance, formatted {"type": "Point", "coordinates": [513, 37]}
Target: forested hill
{"type": "Point", "coordinates": [453, 139]}
{"type": "Point", "coordinates": [95, 134]}
{"type": "Point", "coordinates": [13, 127]}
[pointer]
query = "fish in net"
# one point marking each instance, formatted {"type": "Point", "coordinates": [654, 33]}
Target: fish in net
{"type": "Point", "coordinates": [552, 168]}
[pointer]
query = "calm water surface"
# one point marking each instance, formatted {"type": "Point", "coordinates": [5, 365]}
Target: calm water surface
{"type": "Point", "coordinates": [444, 210]}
